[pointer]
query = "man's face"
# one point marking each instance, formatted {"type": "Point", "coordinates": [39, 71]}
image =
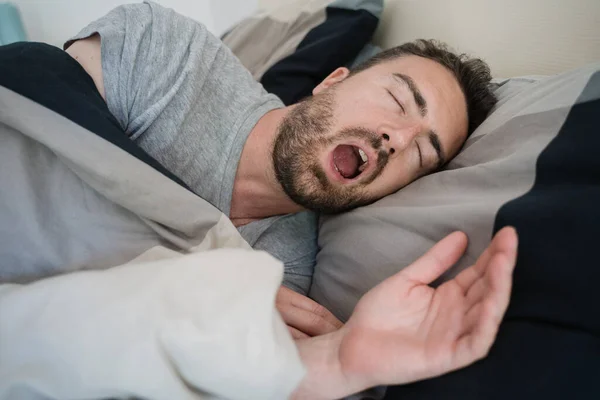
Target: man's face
{"type": "Point", "coordinates": [362, 137]}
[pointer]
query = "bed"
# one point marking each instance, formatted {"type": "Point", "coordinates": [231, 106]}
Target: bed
{"type": "Point", "coordinates": [532, 164]}
{"type": "Point", "coordinates": [527, 165]}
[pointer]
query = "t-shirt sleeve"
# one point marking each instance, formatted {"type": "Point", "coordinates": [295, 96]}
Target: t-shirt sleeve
{"type": "Point", "coordinates": [293, 240]}
{"type": "Point", "coordinates": [147, 52]}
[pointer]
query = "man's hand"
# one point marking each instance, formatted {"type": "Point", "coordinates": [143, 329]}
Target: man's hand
{"type": "Point", "coordinates": [403, 330]}
{"type": "Point", "coordinates": [303, 316]}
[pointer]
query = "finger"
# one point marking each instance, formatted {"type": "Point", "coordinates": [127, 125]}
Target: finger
{"type": "Point", "coordinates": [296, 334]}
{"type": "Point", "coordinates": [490, 274]}
{"type": "Point", "coordinates": [305, 303]}
{"type": "Point", "coordinates": [315, 308]}
{"type": "Point", "coordinates": [469, 276]}
{"type": "Point", "coordinates": [507, 238]}
{"type": "Point", "coordinates": [472, 318]}
{"type": "Point", "coordinates": [448, 315]}
{"type": "Point", "coordinates": [495, 286]}
{"type": "Point", "coordinates": [308, 322]}
{"type": "Point", "coordinates": [475, 344]}
{"type": "Point", "coordinates": [476, 292]}
{"type": "Point", "coordinates": [500, 282]}
{"type": "Point", "coordinates": [504, 241]}
{"type": "Point", "coordinates": [437, 260]}
{"type": "Point", "coordinates": [482, 321]}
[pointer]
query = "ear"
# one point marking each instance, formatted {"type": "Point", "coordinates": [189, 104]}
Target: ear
{"type": "Point", "coordinates": [335, 77]}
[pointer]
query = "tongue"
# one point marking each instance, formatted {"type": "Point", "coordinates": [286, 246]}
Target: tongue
{"type": "Point", "coordinates": [346, 161]}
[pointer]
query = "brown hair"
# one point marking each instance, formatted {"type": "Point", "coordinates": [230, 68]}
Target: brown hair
{"type": "Point", "coordinates": [473, 74]}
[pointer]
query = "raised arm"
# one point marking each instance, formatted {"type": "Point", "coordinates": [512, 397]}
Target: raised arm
{"type": "Point", "coordinates": [403, 330]}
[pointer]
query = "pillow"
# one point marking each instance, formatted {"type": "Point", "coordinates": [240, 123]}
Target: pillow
{"type": "Point", "coordinates": [11, 26]}
{"type": "Point", "coordinates": [291, 50]}
{"type": "Point", "coordinates": [532, 164]}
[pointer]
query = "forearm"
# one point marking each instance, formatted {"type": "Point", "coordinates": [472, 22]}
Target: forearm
{"type": "Point", "coordinates": [325, 379]}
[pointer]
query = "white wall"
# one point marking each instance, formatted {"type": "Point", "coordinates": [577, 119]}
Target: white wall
{"type": "Point", "coordinates": [54, 21]}
{"type": "Point", "coordinates": [516, 37]}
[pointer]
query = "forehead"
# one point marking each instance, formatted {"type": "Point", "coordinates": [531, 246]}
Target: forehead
{"type": "Point", "coordinates": [446, 104]}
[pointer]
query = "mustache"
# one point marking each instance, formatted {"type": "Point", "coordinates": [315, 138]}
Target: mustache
{"type": "Point", "coordinates": [362, 133]}
{"type": "Point", "coordinates": [382, 160]}
{"type": "Point", "coordinates": [376, 142]}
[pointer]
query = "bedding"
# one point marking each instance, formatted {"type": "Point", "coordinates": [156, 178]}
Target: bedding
{"type": "Point", "coordinates": [513, 170]}
{"type": "Point", "coordinates": [11, 26]}
{"type": "Point", "coordinates": [292, 49]}
{"type": "Point", "coordinates": [171, 287]}
{"type": "Point", "coordinates": [533, 165]}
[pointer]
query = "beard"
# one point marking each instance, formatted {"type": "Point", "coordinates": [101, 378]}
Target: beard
{"type": "Point", "coordinates": [302, 135]}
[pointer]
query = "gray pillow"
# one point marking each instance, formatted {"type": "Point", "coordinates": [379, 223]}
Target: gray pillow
{"type": "Point", "coordinates": [361, 248]}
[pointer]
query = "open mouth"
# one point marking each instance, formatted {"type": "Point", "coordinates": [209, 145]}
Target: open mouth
{"type": "Point", "coordinates": [350, 161]}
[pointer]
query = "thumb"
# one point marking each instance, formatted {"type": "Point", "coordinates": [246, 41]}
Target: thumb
{"type": "Point", "coordinates": [437, 260]}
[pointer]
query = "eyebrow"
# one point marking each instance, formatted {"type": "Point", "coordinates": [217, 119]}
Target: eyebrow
{"type": "Point", "coordinates": [434, 139]}
{"type": "Point", "coordinates": [419, 99]}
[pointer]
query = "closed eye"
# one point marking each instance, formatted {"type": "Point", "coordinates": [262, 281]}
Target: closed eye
{"type": "Point", "coordinates": [397, 102]}
{"type": "Point", "coordinates": [420, 154]}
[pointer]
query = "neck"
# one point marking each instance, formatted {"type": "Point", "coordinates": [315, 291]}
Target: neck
{"type": "Point", "coordinates": [256, 192]}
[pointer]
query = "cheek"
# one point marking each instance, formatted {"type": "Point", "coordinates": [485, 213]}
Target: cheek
{"type": "Point", "coordinates": [360, 111]}
{"type": "Point", "coordinates": [389, 182]}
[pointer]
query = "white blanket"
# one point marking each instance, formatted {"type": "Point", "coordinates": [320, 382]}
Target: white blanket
{"type": "Point", "coordinates": [192, 316]}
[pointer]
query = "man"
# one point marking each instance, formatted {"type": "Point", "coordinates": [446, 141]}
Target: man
{"type": "Point", "coordinates": [183, 97]}
{"type": "Point", "coordinates": [179, 93]}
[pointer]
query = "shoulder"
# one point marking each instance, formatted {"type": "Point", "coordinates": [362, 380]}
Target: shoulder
{"type": "Point", "coordinates": [293, 235]}
{"type": "Point", "coordinates": [148, 23]}
{"type": "Point", "coordinates": [293, 240]}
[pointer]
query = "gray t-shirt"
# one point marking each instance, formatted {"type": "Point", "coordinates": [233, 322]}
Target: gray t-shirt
{"type": "Point", "coordinates": [184, 98]}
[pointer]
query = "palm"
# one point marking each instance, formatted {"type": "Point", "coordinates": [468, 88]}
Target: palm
{"type": "Point", "coordinates": [404, 330]}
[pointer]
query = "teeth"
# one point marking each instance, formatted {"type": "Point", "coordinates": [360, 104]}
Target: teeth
{"type": "Point", "coordinates": [363, 156]}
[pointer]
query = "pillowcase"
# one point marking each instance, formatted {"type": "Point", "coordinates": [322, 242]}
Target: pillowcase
{"type": "Point", "coordinates": [532, 164]}
{"type": "Point", "coordinates": [292, 49]}
{"type": "Point", "coordinates": [11, 26]}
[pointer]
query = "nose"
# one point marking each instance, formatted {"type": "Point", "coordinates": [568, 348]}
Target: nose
{"type": "Point", "coordinates": [397, 139]}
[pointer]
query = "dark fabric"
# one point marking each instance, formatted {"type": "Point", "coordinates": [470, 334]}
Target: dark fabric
{"type": "Point", "coordinates": [334, 43]}
{"type": "Point", "coordinates": [548, 346]}
{"type": "Point", "coordinates": [52, 78]}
